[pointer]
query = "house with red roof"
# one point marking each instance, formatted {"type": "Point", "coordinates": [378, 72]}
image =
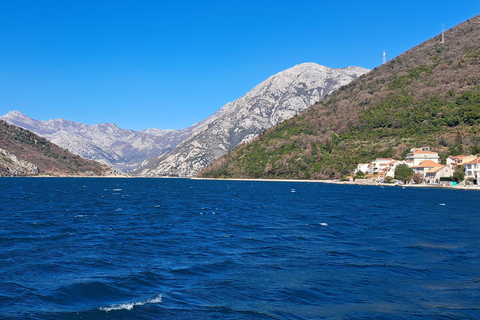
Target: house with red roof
{"type": "Point", "coordinates": [459, 160]}
{"type": "Point", "coordinates": [425, 166]}
{"type": "Point", "coordinates": [377, 164]}
{"type": "Point", "coordinates": [418, 157]}
{"type": "Point", "coordinates": [433, 175]}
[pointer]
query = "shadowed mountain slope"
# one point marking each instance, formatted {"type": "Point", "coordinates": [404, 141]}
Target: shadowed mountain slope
{"type": "Point", "coordinates": [23, 153]}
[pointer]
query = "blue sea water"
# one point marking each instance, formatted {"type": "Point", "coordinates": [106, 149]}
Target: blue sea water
{"type": "Point", "coordinates": [100, 248]}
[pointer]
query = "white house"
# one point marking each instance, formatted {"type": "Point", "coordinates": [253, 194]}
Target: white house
{"type": "Point", "coordinates": [391, 166]}
{"type": "Point", "coordinates": [418, 157]}
{"type": "Point", "coordinates": [376, 166]}
{"type": "Point", "coordinates": [472, 169]}
{"type": "Point", "coordinates": [433, 175]}
{"type": "Point", "coordinates": [425, 166]}
{"type": "Point", "coordinates": [362, 167]}
{"type": "Point", "coordinates": [420, 149]}
{"type": "Point", "coordinates": [459, 160]}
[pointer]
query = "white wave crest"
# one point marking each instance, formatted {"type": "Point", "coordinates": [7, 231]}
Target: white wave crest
{"type": "Point", "coordinates": [130, 305]}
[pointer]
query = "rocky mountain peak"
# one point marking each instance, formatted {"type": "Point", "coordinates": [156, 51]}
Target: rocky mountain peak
{"type": "Point", "coordinates": [276, 99]}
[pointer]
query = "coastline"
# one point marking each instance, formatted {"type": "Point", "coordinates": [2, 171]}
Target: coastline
{"type": "Point", "coordinates": [474, 187]}
{"type": "Point", "coordinates": [477, 188]}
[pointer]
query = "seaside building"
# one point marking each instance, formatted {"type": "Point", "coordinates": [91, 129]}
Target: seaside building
{"type": "Point", "coordinates": [426, 166]}
{"type": "Point", "coordinates": [459, 160]}
{"type": "Point", "coordinates": [472, 169]}
{"type": "Point", "coordinates": [376, 166]}
{"type": "Point", "coordinates": [420, 149]}
{"type": "Point", "coordinates": [362, 167]}
{"type": "Point", "coordinates": [422, 161]}
{"type": "Point", "coordinates": [417, 157]}
{"type": "Point", "coordinates": [389, 168]}
{"type": "Point", "coordinates": [433, 175]}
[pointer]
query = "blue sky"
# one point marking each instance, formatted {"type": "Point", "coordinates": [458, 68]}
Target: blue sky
{"type": "Point", "coordinates": [164, 64]}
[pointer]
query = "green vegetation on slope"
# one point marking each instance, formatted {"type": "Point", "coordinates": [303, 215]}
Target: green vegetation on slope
{"type": "Point", "coordinates": [429, 95]}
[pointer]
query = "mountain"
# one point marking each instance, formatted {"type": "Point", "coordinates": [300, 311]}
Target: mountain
{"type": "Point", "coordinates": [278, 98]}
{"type": "Point", "coordinates": [107, 143]}
{"type": "Point", "coordinates": [23, 153]}
{"type": "Point", "coordinates": [428, 96]}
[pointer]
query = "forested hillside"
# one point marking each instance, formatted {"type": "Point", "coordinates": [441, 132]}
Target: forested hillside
{"type": "Point", "coordinates": [430, 95]}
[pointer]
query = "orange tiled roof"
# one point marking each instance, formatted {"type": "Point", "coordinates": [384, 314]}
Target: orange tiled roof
{"type": "Point", "coordinates": [428, 164]}
{"type": "Point", "coordinates": [474, 161]}
{"type": "Point", "coordinates": [429, 152]}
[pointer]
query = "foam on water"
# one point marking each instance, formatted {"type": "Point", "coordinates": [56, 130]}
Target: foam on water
{"type": "Point", "coordinates": [130, 305]}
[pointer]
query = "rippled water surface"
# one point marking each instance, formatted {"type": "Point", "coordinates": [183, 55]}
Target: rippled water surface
{"type": "Point", "coordinates": [73, 248]}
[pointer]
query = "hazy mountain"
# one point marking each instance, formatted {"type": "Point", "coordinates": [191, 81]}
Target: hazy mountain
{"type": "Point", "coordinates": [278, 98]}
{"type": "Point", "coordinates": [25, 153]}
{"type": "Point", "coordinates": [107, 143]}
{"type": "Point", "coordinates": [428, 96]}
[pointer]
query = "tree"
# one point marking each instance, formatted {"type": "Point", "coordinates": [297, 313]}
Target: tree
{"type": "Point", "coordinates": [417, 178]}
{"type": "Point", "coordinates": [459, 174]}
{"type": "Point", "coordinates": [360, 175]}
{"type": "Point", "coordinates": [403, 172]}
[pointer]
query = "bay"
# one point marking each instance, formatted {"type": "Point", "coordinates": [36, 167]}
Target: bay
{"type": "Point", "coordinates": [113, 248]}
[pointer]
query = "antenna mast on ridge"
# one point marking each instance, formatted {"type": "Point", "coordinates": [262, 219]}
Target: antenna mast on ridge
{"type": "Point", "coordinates": [384, 57]}
{"type": "Point", "coordinates": [443, 38]}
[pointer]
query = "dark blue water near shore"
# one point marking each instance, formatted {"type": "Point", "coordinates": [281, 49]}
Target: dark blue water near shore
{"type": "Point", "coordinates": [186, 249]}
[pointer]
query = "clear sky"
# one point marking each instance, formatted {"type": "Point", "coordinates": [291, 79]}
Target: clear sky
{"type": "Point", "coordinates": [168, 64]}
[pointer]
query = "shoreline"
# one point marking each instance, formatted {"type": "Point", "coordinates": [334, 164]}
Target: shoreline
{"type": "Point", "coordinates": [477, 187]}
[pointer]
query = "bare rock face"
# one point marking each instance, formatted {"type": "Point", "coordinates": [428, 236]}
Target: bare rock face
{"type": "Point", "coordinates": [15, 166]}
{"type": "Point", "coordinates": [278, 98]}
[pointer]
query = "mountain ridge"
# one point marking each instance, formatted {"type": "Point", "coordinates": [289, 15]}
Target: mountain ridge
{"type": "Point", "coordinates": [275, 99]}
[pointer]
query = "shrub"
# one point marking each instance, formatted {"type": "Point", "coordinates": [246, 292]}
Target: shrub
{"type": "Point", "coordinates": [459, 174]}
{"type": "Point", "coordinates": [403, 172]}
{"type": "Point", "coordinates": [417, 178]}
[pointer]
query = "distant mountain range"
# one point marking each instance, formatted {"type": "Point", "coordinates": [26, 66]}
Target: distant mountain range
{"type": "Point", "coordinates": [276, 99]}
{"type": "Point", "coordinates": [23, 153]}
{"type": "Point", "coordinates": [156, 152]}
{"type": "Point", "coordinates": [428, 96]}
{"type": "Point", "coordinates": [107, 143]}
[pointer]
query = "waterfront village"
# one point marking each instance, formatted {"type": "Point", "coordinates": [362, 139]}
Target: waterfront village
{"type": "Point", "coordinates": [425, 169]}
